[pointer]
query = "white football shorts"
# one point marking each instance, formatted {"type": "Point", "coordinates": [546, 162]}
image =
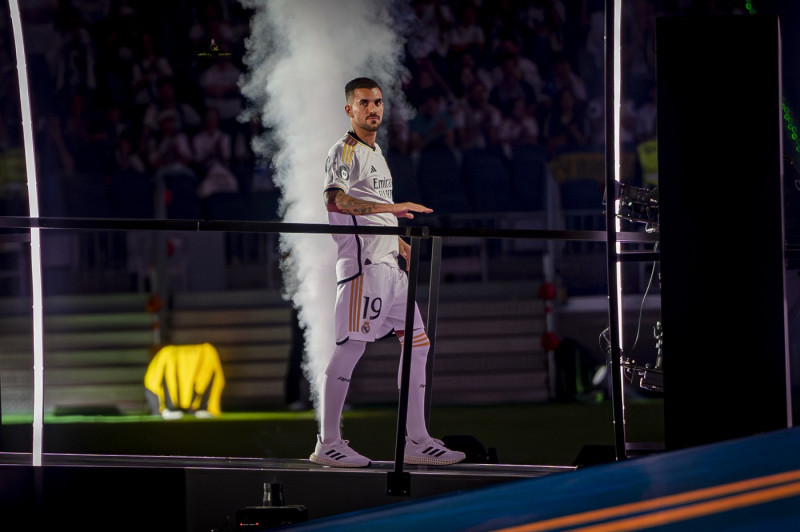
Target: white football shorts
{"type": "Point", "coordinates": [373, 304]}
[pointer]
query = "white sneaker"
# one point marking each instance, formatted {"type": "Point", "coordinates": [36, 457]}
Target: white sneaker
{"type": "Point", "coordinates": [431, 452]}
{"type": "Point", "coordinates": [337, 454]}
{"type": "Point", "coordinates": [171, 414]}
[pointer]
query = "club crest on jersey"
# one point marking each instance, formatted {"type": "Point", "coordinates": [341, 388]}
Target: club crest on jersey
{"type": "Point", "coordinates": [344, 173]}
{"type": "Point", "coordinates": [365, 327]}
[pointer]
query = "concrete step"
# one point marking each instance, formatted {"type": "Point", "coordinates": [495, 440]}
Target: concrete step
{"type": "Point", "coordinates": [97, 350]}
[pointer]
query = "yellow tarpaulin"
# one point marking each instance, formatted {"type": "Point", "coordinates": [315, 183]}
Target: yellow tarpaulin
{"type": "Point", "coordinates": [186, 377]}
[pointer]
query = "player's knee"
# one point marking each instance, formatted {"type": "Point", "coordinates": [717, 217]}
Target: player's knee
{"type": "Point", "coordinates": [420, 337]}
{"type": "Point", "coordinates": [344, 359]}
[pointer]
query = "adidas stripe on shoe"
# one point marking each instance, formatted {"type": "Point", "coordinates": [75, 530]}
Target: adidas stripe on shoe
{"type": "Point", "coordinates": [431, 452]}
{"type": "Point", "coordinates": [337, 454]}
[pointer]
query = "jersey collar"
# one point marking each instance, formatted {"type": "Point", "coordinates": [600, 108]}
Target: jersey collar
{"type": "Point", "coordinates": [353, 134]}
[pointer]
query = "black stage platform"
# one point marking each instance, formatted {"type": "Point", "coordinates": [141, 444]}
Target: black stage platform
{"type": "Point", "coordinates": [177, 493]}
{"type": "Point", "coordinates": [744, 484]}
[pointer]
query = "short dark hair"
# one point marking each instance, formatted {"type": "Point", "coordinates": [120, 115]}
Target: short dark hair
{"type": "Point", "coordinates": [359, 83]}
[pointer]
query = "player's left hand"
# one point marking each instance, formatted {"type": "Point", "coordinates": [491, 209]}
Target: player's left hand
{"type": "Point", "coordinates": [407, 209]}
{"type": "Point", "coordinates": [405, 251]}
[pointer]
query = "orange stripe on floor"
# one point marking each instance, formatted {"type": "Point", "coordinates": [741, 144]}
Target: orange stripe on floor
{"type": "Point", "coordinates": [680, 498]}
{"type": "Point", "coordinates": [683, 513]}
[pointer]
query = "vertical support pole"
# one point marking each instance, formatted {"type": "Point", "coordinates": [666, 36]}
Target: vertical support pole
{"type": "Point", "coordinates": [432, 320]}
{"type": "Point", "coordinates": [611, 21]}
{"type": "Point", "coordinates": [399, 482]}
{"type": "Point", "coordinates": [36, 259]}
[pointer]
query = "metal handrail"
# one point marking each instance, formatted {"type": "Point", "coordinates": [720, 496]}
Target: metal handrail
{"type": "Point", "coordinates": [398, 481]}
{"type": "Point", "coordinates": [421, 231]}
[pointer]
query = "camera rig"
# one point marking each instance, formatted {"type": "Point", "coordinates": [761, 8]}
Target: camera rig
{"type": "Point", "coordinates": [637, 204]}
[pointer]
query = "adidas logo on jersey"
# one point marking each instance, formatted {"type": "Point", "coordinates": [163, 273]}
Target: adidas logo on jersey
{"type": "Point", "coordinates": [372, 169]}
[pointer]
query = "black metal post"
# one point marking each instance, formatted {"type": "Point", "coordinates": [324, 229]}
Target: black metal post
{"type": "Point", "coordinates": [432, 319]}
{"type": "Point", "coordinates": [399, 482]}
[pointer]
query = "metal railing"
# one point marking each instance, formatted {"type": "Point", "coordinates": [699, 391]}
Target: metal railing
{"type": "Point", "coordinates": [398, 481]}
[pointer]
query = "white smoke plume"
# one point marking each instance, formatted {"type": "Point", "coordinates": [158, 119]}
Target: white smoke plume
{"type": "Point", "coordinates": [300, 54]}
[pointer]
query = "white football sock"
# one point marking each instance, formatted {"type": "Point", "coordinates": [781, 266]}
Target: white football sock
{"type": "Point", "coordinates": [335, 384]}
{"type": "Point", "coordinates": [415, 422]}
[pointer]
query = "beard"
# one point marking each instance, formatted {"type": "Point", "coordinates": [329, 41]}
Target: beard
{"type": "Point", "coordinates": [369, 126]}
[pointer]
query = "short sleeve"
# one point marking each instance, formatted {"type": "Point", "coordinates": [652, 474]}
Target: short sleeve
{"type": "Point", "coordinates": [339, 173]}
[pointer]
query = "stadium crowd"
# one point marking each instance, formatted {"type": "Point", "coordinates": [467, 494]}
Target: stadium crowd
{"type": "Point", "coordinates": [121, 91]}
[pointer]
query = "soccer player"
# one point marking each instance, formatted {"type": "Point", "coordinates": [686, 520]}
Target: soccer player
{"type": "Point", "coordinates": [371, 287]}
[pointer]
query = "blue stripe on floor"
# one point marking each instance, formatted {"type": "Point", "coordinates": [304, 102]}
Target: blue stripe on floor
{"type": "Point", "coordinates": [744, 484]}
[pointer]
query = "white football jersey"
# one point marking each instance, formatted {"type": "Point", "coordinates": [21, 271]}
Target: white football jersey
{"type": "Point", "coordinates": [361, 172]}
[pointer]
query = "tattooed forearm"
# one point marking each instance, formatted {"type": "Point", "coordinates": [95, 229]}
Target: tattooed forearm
{"type": "Point", "coordinates": [347, 204]}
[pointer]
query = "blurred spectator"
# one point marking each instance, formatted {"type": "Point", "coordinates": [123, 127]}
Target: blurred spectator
{"type": "Point", "coordinates": [219, 83]}
{"type": "Point", "coordinates": [149, 69]}
{"type": "Point", "coordinates": [127, 161]}
{"type": "Point", "coordinates": [118, 53]}
{"type": "Point", "coordinates": [501, 19]}
{"type": "Point", "coordinates": [132, 191]}
{"type": "Point", "coordinates": [76, 128]}
{"type": "Point", "coordinates": [591, 55]}
{"type": "Point", "coordinates": [253, 171]}
{"type": "Point", "coordinates": [467, 35]}
{"type": "Point", "coordinates": [211, 23]}
{"type": "Point", "coordinates": [10, 117]}
{"type": "Point", "coordinates": [428, 47]}
{"type": "Point", "coordinates": [546, 24]}
{"type": "Point", "coordinates": [211, 148]}
{"type": "Point", "coordinates": [432, 127]}
{"type": "Point", "coordinates": [639, 48]}
{"type": "Point", "coordinates": [424, 81]}
{"type": "Point", "coordinates": [169, 151]}
{"type": "Point", "coordinates": [476, 120]}
{"type": "Point", "coordinates": [508, 57]}
{"type": "Point", "coordinates": [463, 83]}
{"type": "Point", "coordinates": [41, 39]}
{"type": "Point", "coordinates": [561, 77]}
{"type": "Point", "coordinates": [595, 114]}
{"type": "Point", "coordinates": [397, 129]}
{"type": "Point", "coordinates": [13, 189]}
{"type": "Point", "coordinates": [106, 131]}
{"type": "Point", "coordinates": [566, 124]}
{"type": "Point", "coordinates": [510, 86]}
{"type": "Point", "coordinates": [469, 72]}
{"type": "Point", "coordinates": [74, 57]}
{"type": "Point", "coordinates": [186, 117]}
{"type": "Point", "coordinates": [429, 34]}
{"type": "Point", "coordinates": [91, 12]}
{"type": "Point", "coordinates": [56, 166]}
{"type": "Point", "coordinates": [518, 128]}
